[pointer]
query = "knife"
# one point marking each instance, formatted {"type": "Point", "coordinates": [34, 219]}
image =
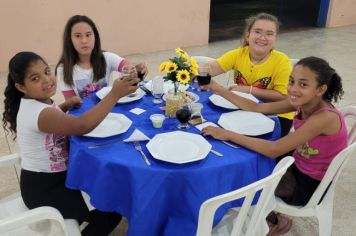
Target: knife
{"type": "Point", "coordinates": [146, 90]}
{"type": "Point", "coordinates": [216, 153]}
{"type": "Point", "coordinates": [230, 144]}
{"type": "Point", "coordinates": [105, 143]}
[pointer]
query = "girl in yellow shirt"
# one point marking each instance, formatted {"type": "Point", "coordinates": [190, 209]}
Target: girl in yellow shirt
{"type": "Point", "coordinates": [259, 69]}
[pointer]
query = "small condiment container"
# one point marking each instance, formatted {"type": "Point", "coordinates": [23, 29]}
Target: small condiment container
{"type": "Point", "coordinates": [157, 120]}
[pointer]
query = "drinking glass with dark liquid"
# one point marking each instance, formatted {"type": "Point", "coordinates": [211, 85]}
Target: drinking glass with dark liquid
{"type": "Point", "coordinates": [139, 68]}
{"type": "Point", "coordinates": [183, 116]}
{"type": "Point", "coordinates": [204, 76]}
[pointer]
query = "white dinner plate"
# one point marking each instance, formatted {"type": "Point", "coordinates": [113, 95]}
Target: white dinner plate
{"type": "Point", "coordinates": [194, 97]}
{"type": "Point", "coordinates": [178, 147]}
{"type": "Point", "coordinates": [168, 85]}
{"type": "Point", "coordinates": [246, 122]}
{"type": "Point", "coordinates": [222, 102]}
{"type": "Point", "coordinates": [113, 124]}
{"type": "Point", "coordinates": [130, 98]}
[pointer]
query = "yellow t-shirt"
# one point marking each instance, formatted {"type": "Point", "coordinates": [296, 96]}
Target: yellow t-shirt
{"type": "Point", "coordinates": [272, 74]}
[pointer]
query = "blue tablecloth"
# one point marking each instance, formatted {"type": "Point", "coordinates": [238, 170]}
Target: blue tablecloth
{"type": "Point", "coordinates": [164, 198]}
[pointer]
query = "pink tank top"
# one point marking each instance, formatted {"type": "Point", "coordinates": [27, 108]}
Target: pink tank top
{"type": "Point", "coordinates": [314, 157]}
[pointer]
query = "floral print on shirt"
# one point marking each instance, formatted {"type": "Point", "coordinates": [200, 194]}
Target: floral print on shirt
{"type": "Point", "coordinates": [58, 151]}
{"type": "Point", "coordinates": [306, 151]}
{"type": "Point", "coordinates": [85, 88]}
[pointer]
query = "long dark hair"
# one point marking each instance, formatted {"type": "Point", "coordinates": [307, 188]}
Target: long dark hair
{"type": "Point", "coordinates": [70, 56]}
{"type": "Point", "coordinates": [325, 75]}
{"type": "Point", "coordinates": [18, 68]}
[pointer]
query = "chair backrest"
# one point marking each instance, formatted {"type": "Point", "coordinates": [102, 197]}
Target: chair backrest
{"type": "Point", "coordinates": [349, 113]}
{"type": "Point", "coordinates": [267, 186]}
{"type": "Point", "coordinates": [9, 160]}
{"type": "Point", "coordinates": [223, 78]}
{"type": "Point", "coordinates": [16, 219]}
{"type": "Point", "coordinates": [201, 60]}
{"type": "Point", "coordinates": [339, 162]}
{"type": "Point", "coordinates": [293, 61]}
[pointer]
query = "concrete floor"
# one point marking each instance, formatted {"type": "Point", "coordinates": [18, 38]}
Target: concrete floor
{"type": "Point", "coordinates": [337, 45]}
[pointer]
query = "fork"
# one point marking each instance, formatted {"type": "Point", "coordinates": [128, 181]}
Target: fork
{"type": "Point", "coordinates": [139, 148]}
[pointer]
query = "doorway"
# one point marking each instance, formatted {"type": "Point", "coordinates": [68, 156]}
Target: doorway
{"type": "Point", "coordinates": [227, 17]}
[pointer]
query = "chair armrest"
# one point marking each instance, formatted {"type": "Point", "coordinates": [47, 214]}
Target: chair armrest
{"type": "Point", "coordinates": [9, 160]}
{"type": "Point", "coordinates": [32, 216]}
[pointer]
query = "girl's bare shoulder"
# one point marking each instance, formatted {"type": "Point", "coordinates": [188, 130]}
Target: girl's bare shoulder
{"type": "Point", "coordinates": [328, 120]}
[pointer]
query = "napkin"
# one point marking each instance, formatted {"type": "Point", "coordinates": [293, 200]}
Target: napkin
{"type": "Point", "coordinates": [137, 111]}
{"type": "Point", "coordinates": [202, 126]}
{"type": "Point", "coordinates": [137, 135]}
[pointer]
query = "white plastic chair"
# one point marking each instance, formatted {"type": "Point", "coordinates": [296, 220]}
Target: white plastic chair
{"type": "Point", "coordinates": [349, 113]}
{"type": "Point", "coordinates": [243, 224]}
{"type": "Point", "coordinates": [323, 210]}
{"type": "Point", "coordinates": [223, 79]}
{"type": "Point", "coordinates": [17, 220]}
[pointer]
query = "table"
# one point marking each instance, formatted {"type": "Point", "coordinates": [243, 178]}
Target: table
{"type": "Point", "coordinates": [164, 198]}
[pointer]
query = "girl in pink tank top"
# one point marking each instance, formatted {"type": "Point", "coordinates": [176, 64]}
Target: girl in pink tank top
{"type": "Point", "coordinates": [313, 86]}
{"type": "Point", "coordinates": [314, 156]}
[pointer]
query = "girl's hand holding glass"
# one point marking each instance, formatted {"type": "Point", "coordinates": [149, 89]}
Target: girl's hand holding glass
{"type": "Point", "coordinates": [142, 71]}
{"type": "Point", "coordinates": [124, 87]}
{"type": "Point", "coordinates": [214, 87]}
{"type": "Point", "coordinates": [204, 76]}
{"type": "Point", "coordinates": [128, 71]}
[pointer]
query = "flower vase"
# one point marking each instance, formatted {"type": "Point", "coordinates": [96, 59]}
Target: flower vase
{"type": "Point", "coordinates": [174, 101]}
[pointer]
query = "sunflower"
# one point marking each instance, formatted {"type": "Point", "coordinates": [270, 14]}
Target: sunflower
{"type": "Point", "coordinates": [181, 53]}
{"type": "Point", "coordinates": [194, 64]}
{"type": "Point", "coordinates": [194, 71]}
{"type": "Point", "coordinates": [171, 67]}
{"type": "Point", "coordinates": [183, 77]}
{"type": "Point", "coordinates": [163, 66]}
{"type": "Point", "coordinates": [193, 67]}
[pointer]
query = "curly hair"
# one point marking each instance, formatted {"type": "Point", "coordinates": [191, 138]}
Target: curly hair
{"type": "Point", "coordinates": [325, 75]}
{"type": "Point", "coordinates": [18, 67]}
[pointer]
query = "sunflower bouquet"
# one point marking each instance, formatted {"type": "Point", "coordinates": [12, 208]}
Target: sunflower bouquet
{"type": "Point", "coordinates": [180, 69]}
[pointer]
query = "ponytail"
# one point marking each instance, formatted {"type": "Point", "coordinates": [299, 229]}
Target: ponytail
{"type": "Point", "coordinates": [12, 104]}
{"type": "Point", "coordinates": [335, 92]}
{"type": "Point", "coordinates": [18, 67]}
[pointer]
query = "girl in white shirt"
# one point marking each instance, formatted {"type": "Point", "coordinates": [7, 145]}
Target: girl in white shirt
{"type": "Point", "coordinates": [84, 68]}
{"type": "Point", "coordinates": [41, 128]}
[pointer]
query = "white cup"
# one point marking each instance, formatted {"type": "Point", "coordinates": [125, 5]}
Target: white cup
{"type": "Point", "coordinates": [157, 120]}
{"type": "Point", "coordinates": [196, 109]}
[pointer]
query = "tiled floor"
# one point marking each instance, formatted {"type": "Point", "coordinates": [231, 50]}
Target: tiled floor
{"type": "Point", "coordinates": [337, 45]}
